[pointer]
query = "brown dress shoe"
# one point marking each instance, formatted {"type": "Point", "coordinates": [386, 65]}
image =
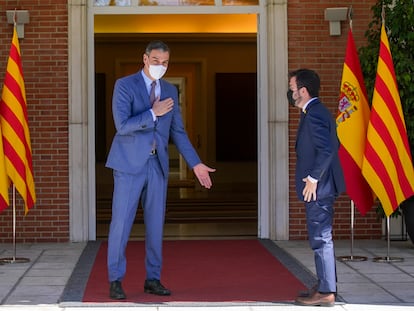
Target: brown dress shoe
{"type": "Point", "coordinates": [317, 299]}
{"type": "Point", "coordinates": [309, 292]}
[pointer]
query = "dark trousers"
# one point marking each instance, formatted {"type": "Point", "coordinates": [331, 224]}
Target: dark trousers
{"type": "Point", "coordinates": [319, 218]}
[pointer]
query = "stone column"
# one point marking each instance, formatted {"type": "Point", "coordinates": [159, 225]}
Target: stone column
{"type": "Point", "coordinates": [277, 61]}
{"type": "Point", "coordinates": [78, 122]}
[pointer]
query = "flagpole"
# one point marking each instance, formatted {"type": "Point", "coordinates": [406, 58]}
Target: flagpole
{"type": "Point", "coordinates": [15, 116]}
{"type": "Point", "coordinates": [14, 259]}
{"type": "Point", "coordinates": [388, 258]}
{"type": "Point", "coordinates": [352, 257]}
{"type": "Point", "coordinates": [354, 112]}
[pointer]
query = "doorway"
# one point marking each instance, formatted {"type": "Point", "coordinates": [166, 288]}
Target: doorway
{"type": "Point", "coordinates": [200, 63]}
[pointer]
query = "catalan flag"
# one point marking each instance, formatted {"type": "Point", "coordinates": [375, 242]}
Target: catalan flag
{"type": "Point", "coordinates": [352, 122]}
{"type": "Point", "coordinates": [387, 164]}
{"type": "Point", "coordinates": [4, 179]}
{"type": "Point", "coordinates": [15, 128]}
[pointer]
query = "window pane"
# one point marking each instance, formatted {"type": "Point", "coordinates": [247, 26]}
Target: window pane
{"type": "Point", "coordinates": [240, 2]}
{"type": "Point", "coordinates": [176, 2]}
{"type": "Point", "coordinates": [112, 2]}
{"type": "Point", "coordinates": [173, 2]}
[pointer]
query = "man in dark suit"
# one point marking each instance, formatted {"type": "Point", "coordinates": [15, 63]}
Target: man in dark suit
{"type": "Point", "coordinates": [147, 115]}
{"type": "Point", "coordinates": [319, 180]}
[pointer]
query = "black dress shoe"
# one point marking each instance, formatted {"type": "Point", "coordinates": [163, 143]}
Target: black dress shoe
{"type": "Point", "coordinates": [116, 291]}
{"type": "Point", "coordinates": [155, 287]}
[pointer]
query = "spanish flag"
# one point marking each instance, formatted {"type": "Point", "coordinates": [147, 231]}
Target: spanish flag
{"type": "Point", "coordinates": [387, 164]}
{"type": "Point", "coordinates": [15, 128]}
{"type": "Point", "coordinates": [352, 122]}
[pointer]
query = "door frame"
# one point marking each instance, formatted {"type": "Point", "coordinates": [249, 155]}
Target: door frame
{"type": "Point", "coordinates": [273, 155]}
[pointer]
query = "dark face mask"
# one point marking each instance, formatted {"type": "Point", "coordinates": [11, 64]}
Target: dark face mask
{"type": "Point", "coordinates": [290, 98]}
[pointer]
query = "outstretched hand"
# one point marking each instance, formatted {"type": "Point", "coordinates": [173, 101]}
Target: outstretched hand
{"type": "Point", "coordinates": [202, 173]}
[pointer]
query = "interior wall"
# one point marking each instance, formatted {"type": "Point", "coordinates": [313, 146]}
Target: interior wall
{"type": "Point", "coordinates": [214, 54]}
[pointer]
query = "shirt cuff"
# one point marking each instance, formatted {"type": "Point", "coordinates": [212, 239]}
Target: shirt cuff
{"type": "Point", "coordinates": [312, 180]}
{"type": "Point", "coordinates": [154, 117]}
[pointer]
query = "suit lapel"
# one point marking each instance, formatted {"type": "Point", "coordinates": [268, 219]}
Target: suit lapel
{"type": "Point", "coordinates": [162, 88]}
{"type": "Point", "coordinates": [303, 115]}
{"type": "Point", "coordinates": [301, 121]}
{"type": "Point", "coordinates": [142, 89]}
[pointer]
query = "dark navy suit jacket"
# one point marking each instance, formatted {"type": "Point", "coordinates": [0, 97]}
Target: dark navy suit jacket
{"type": "Point", "coordinates": [317, 152]}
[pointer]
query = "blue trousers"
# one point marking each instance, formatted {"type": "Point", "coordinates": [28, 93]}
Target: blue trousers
{"type": "Point", "coordinates": [150, 186]}
{"type": "Point", "coordinates": [319, 218]}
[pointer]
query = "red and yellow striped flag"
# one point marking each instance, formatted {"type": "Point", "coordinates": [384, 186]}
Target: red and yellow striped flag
{"type": "Point", "coordinates": [15, 128]}
{"type": "Point", "coordinates": [352, 122]}
{"type": "Point", "coordinates": [4, 179]}
{"type": "Point", "coordinates": [387, 164]}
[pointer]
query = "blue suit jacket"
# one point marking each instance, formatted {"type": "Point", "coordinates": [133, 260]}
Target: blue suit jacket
{"type": "Point", "coordinates": [317, 152]}
{"type": "Point", "coordinates": [136, 130]}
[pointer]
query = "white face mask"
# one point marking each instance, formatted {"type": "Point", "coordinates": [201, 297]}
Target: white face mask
{"type": "Point", "coordinates": [157, 71]}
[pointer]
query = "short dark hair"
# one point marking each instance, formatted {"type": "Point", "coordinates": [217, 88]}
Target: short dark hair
{"type": "Point", "coordinates": [307, 78]}
{"type": "Point", "coordinates": [156, 45]}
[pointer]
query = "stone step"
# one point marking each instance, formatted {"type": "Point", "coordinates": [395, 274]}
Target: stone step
{"type": "Point", "coordinates": [194, 210]}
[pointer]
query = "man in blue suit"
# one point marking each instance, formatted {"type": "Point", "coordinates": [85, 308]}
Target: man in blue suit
{"type": "Point", "coordinates": [146, 117]}
{"type": "Point", "coordinates": [319, 180]}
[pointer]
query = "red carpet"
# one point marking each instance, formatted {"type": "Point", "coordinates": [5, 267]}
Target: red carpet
{"type": "Point", "coordinates": [201, 271]}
